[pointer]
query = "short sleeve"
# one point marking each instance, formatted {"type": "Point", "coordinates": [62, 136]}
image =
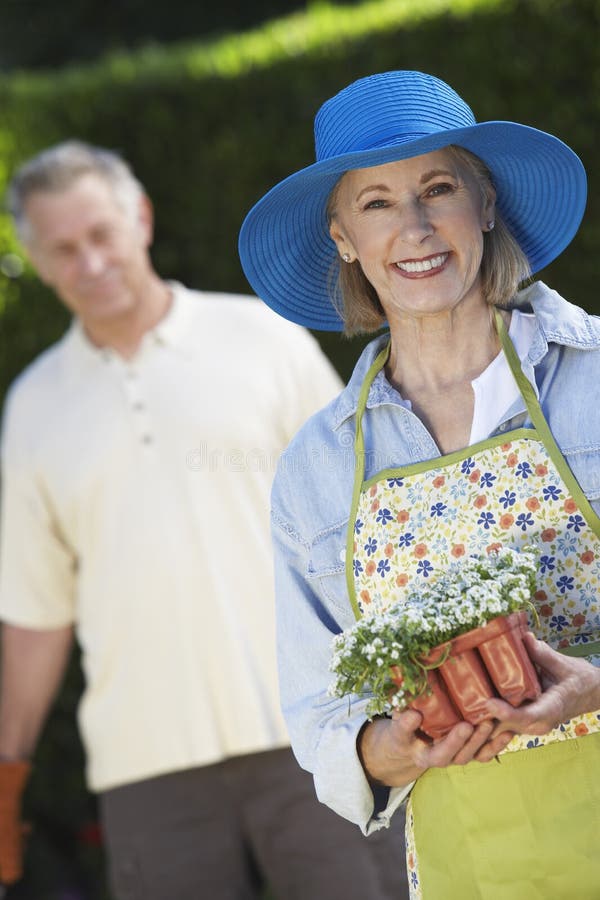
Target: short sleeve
{"type": "Point", "coordinates": [37, 566]}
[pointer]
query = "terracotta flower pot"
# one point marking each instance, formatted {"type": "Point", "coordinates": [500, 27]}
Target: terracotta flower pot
{"type": "Point", "coordinates": [467, 682]}
{"type": "Point", "coordinates": [464, 673]}
{"type": "Point", "coordinates": [434, 704]}
{"type": "Point", "coordinates": [438, 711]}
{"type": "Point", "coordinates": [507, 660]}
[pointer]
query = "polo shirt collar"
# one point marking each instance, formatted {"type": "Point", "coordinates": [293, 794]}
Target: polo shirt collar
{"type": "Point", "coordinates": [171, 330]}
{"type": "Point", "coordinates": [174, 326]}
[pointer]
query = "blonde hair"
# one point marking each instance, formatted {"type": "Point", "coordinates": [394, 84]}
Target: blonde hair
{"type": "Point", "coordinates": [503, 265]}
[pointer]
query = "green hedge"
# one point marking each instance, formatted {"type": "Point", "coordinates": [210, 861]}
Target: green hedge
{"type": "Point", "coordinates": [209, 127]}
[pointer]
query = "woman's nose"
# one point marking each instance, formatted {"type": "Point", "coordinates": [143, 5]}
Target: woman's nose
{"type": "Point", "coordinates": [414, 224]}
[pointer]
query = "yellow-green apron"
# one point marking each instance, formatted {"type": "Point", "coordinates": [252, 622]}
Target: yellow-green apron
{"type": "Point", "coordinates": [525, 826]}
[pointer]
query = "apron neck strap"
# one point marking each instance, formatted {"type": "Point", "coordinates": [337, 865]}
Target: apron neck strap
{"type": "Point", "coordinates": [359, 468]}
{"type": "Point", "coordinates": [376, 367]}
{"type": "Point", "coordinates": [525, 387]}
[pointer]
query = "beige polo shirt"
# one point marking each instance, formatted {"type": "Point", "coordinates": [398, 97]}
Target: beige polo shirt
{"type": "Point", "coordinates": [136, 505]}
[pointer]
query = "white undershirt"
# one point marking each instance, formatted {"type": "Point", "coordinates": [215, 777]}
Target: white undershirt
{"type": "Point", "coordinates": [496, 389]}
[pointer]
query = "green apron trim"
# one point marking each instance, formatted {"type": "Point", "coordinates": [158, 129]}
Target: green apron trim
{"type": "Point", "coordinates": [542, 813]}
{"type": "Point", "coordinates": [541, 426]}
{"type": "Point", "coordinates": [589, 649]}
{"type": "Point", "coordinates": [450, 458]}
{"type": "Point", "coordinates": [359, 470]}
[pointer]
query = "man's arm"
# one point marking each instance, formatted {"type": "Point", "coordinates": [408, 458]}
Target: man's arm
{"type": "Point", "coordinates": [31, 669]}
{"type": "Point", "coordinates": [32, 666]}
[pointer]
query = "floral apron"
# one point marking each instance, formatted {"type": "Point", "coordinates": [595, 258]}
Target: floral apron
{"type": "Point", "coordinates": [525, 826]}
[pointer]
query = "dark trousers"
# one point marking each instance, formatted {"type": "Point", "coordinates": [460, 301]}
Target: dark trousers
{"type": "Point", "coordinates": [223, 832]}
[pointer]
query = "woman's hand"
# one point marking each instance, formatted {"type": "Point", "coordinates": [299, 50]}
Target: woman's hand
{"type": "Point", "coordinates": [570, 686]}
{"type": "Point", "coordinates": [394, 752]}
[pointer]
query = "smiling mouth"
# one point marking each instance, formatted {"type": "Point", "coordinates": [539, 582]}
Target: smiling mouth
{"type": "Point", "coordinates": [416, 266]}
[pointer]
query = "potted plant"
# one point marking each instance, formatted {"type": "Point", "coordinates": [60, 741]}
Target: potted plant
{"type": "Point", "coordinates": [447, 647]}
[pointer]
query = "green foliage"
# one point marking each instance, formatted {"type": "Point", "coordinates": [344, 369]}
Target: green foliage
{"type": "Point", "coordinates": [324, 26]}
{"type": "Point", "coordinates": [208, 127]}
{"type": "Point", "coordinates": [36, 33]}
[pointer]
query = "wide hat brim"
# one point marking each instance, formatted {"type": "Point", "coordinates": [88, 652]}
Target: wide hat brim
{"type": "Point", "coordinates": [287, 253]}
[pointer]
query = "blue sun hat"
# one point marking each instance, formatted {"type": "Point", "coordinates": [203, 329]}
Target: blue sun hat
{"type": "Point", "coordinates": [285, 247]}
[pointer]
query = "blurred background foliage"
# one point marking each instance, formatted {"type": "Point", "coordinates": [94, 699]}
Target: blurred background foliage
{"type": "Point", "coordinates": [208, 125]}
{"type": "Point", "coordinates": [38, 34]}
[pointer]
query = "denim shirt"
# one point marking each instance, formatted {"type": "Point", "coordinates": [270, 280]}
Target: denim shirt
{"type": "Point", "coordinates": [310, 509]}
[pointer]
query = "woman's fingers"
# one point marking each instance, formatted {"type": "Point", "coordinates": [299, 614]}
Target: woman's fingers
{"type": "Point", "coordinates": [494, 746]}
{"type": "Point", "coordinates": [537, 717]}
{"type": "Point", "coordinates": [463, 743]}
{"type": "Point", "coordinates": [460, 746]}
{"type": "Point", "coordinates": [571, 687]}
{"type": "Point", "coordinates": [408, 721]}
{"type": "Point", "coordinates": [424, 753]}
{"type": "Point", "coordinates": [551, 663]}
{"type": "Point", "coordinates": [474, 744]}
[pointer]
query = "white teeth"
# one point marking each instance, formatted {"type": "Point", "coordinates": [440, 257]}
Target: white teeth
{"type": "Point", "coordinates": [423, 265]}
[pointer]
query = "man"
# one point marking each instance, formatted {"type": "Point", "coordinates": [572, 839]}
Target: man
{"type": "Point", "coordinates": [137, 457]}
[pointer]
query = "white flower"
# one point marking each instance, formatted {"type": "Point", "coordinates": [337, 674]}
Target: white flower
{"type": "Point", "coordinates": [473, 591]}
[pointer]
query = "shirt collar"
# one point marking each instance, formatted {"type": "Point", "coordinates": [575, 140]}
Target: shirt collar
{"type": "Point", "coordinates": [381, 391]}
{"type": "Point", "coordinates": [173, 327]}
{"type": "Point", "coordinates": [171, 330]}
{"type": "Point", "coordinates": [557, 321]}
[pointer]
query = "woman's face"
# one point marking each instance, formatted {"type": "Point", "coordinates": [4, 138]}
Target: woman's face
{"type": "Point", "coordinates": [416, 227]}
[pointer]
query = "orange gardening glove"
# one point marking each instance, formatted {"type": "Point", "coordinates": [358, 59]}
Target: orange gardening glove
{"type": "Point", "coordinates": [13, 778]}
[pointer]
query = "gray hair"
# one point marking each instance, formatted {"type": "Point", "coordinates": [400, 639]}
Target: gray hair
{"type": "Point", "coordinates": [58, 167]}
{"type": "Point", "coordinates": [503, 264]}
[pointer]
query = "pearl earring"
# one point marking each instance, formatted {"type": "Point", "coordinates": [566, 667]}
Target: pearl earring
{"type": "Point", "coordinates": [346, 257]}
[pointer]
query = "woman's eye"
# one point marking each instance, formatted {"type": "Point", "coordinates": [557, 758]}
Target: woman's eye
{"type": "Point", "coordinates": [437, 189]}
{"type": "Point", "coordinates": [376, 204]}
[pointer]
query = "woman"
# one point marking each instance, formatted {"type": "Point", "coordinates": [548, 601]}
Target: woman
{"type": "Point", "coordinates": [470, 425]}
